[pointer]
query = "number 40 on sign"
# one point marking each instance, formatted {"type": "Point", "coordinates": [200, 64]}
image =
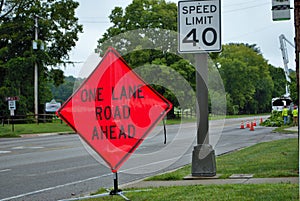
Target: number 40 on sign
{"type": "Point", "coordinates": [199, 26]}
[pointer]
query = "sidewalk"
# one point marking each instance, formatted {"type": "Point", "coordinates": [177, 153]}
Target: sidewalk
{"type": "Point", "coordinates": [156, 184]}
{"type": "Point", "coordinates": [294, 128]}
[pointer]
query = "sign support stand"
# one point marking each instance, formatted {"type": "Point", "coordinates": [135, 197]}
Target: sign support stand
{"type": "Point", "coordinates": [203, 160]}
{"type": "Point", "coordinates": [116, 190]}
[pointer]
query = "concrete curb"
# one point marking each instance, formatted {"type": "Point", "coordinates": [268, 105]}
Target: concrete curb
{"type": "Point", "coordinates": [45, 134]}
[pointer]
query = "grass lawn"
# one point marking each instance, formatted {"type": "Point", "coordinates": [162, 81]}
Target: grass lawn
{"type": "Point", "coordinates": [232, 192]}
{"type": "Point", "coordinates": [270, 159]}
{"type": "Point", "coordinates": [19, 129]}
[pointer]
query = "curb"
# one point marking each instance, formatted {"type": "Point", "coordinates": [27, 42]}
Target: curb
{"type": "Point", "coordinates": [45, 134]}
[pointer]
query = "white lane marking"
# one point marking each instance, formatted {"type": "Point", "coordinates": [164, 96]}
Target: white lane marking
{"type": "Point", "coordinates": [4, 152]}
{"type": "Point", "coordinates": [63, 170]}
{"type": "Point", "coordinates": [55, 187]}
{"type": "Point", "coordinates": [22, 147]}
{"type": "Point", "coordinates": [5, 170]}
{"type": "Point", "coordinates": [77, 182]}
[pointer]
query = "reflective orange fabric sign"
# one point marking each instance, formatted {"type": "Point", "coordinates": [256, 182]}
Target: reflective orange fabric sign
{"type": "Point", "coordinates": [114, 110]}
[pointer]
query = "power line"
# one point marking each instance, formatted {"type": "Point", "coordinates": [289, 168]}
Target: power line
{"type": "Point", "coordinates": [243, 3]}
{"type": "Point", "coordinates": [245, 8]}
{"type": "Point", "coordinates": [94, 22]}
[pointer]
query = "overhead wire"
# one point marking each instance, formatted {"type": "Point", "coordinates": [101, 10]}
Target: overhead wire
{"type": "Point", "coordinates": [82, 20]}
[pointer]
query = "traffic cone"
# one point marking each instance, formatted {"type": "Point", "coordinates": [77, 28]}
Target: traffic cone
{"type": "Point", "coordinates": [248, 124]}
{"type": "Point", "coordinates": [242, 125]}
{"type": "Point", "coordinates": [251, 127]}
{"type": "Point", "coordinates": [254, 122]}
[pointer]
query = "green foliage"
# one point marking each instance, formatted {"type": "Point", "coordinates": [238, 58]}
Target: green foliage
{"type": "Point", "coordinates": [279, 81]}
{"type": "Point", "coordinates": [57, 33]}
{"type": "Point", "coordinates": [62, 92]}
{"type": "Point", "coordinates": [293, 88]}
{"type": "Point", "coordinates": [246, 78]}
{"type": "Point", "coordinates": [276, 119]}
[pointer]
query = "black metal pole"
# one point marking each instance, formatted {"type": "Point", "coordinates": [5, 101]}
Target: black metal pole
{"type": "Point", "coordinates": [115, 190]}
{"type": "Point", "coordinates": [116, 182]}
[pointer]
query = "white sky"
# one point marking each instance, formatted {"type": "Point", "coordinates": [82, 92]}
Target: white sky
{"type": "Point", "coordinates": [243, 21]}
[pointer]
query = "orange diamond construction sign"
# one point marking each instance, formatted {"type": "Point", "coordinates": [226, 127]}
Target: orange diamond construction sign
{"type": "Point", "coordinates": [114, 110]}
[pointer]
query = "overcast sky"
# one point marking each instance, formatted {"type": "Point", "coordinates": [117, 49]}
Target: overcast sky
{"type": "Point", "coordinates": [243, 21]}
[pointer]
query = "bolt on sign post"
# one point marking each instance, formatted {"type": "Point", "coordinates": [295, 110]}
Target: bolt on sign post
{"type": "Point", "coordinates": [199, 26]}
{"type": "Point", "coordinates": [114, 110]}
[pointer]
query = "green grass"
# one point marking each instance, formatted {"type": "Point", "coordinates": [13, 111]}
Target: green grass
{"type": "Point", "coordinates": [19, 129]}
{"type": "Point", "coordinates": [269, 159]}
{"type": "Point", "coordinates": [232, 192]}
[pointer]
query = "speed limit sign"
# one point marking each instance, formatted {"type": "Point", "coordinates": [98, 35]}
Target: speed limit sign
{"type": "Point", "coordinates": [199, 26]}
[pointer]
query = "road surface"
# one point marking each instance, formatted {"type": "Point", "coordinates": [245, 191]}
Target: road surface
{"type": "Point", "coordinates": [61, 166]}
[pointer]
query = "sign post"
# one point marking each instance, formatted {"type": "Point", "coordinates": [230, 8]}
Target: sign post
{"type": "Point", "coordinates": [113, 111]}
{"type": "Point", "coordinates": [199, 25]}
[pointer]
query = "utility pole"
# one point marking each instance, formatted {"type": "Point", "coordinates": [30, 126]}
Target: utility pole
{"type": "Point", "coordinates": [297, 39]}
{"type": "Point", "coordinates": [36, 104]}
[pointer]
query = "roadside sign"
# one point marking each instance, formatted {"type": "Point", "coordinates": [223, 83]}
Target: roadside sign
{"type": "Point", "coordinates": [114, 110]}
{"type": "Point", "coordinates": [52, 106]}
{"type": "Point", "coordinates": [12, 105]}
{"type": "Point", "coordinates": [12, 98]}
{"type": "Point", "coordinates": [199, 26]}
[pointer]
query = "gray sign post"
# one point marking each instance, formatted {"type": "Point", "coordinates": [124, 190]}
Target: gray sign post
{"type": "Point", "coordinates": [203, 158]}
{"type": "Point", "coordinates": [199, 27]}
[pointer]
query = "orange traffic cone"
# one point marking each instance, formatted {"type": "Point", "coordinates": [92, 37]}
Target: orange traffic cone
{"type": "Point", "coordinates": [261, 120]}
{"type": "Point", "coordinates": [242, 125]}
{"type": "Point", "coordinates": [254, 122]}
{"type": "Point", "coordinates": [248, 124]}
{"type": "Point", "coordinates": [251, 127]}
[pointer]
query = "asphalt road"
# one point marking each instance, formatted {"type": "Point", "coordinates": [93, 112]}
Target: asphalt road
{"type": "Point", "coordinates": [61, 166]}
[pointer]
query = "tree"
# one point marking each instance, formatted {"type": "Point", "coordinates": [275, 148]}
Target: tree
{"type": "Point", "coordinates": [145, 35]}
{"type": "Point", "coordinates": [293, 88]}
{"type": "Point", "coordinates": [138, 31]}
{"type": "Point", "coordinates": [246, 77]}
{"type": "Point", "coordinates": [58, 30]}
{"type": "Point", "coordinates": [279, 81]}
{"type": "Point", "coordinates": [62, 92]}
